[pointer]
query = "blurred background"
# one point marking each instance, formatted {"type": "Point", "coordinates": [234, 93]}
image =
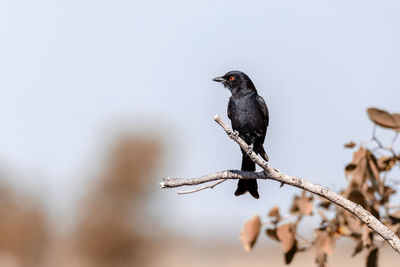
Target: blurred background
{"type": "Point", "coordinates": [101, 99]}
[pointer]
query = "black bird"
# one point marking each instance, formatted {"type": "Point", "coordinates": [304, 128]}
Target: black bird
{"type": "Point", "coordinates": [249, 116]}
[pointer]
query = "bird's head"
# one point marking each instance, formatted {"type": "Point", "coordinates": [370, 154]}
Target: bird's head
{"type": "Point", "coordinates": [236, 81]}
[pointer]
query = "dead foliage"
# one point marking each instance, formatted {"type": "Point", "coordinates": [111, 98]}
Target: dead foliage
{"type": "Point", "coordinates": [249, 233]}
{"type": "Point", "coordinates": [367, 187]}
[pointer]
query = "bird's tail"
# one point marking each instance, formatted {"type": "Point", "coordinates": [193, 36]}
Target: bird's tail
{"type": "Point", "coordinates": [249, 185]}
{"type": "Point", "coordinates": [263, 154]}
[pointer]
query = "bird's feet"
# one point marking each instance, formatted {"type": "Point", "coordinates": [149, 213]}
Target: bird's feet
{"type": "Point", "coordinates": [250, 149]}
{"type": "Point", "coordinates": [233, 134]}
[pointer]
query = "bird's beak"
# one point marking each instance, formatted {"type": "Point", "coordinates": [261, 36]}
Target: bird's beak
{"type": "Point", "coordinates": [219, 79]}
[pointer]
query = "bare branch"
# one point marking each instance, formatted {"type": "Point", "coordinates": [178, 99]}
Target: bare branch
{"type": "Point", "coordinates": [202, 188]}
{"type": "Point", "coordinates": [274, 174]}
{"type": "Point", "coordinates": [232, 174]}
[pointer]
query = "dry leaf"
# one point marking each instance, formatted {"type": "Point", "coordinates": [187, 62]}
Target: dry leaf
{"type": "Point", "coordinates": [385, 163]}
{"type": "Point", "coordinates": [357, 197]}
{"type": "Point", "coordinates": [325, 242]}
{"type": "Point", "coordinates": [374, 173]}
{"type": "Point", "coordinates": [350, 144]}
{"type": "Point", "coordinates": [358, 248]}
{"type": "Point", "coordinates": [323, 245]}
{"type": "Point", "coordinates": [325, 204]}
{"type": "Point", "coordinates": [344, 230]}
{"type": "Point", "coordinates": [372, 258]}
{"type": "Point", "coordinates": [274, 212]}
{"type": "Point", "coordinates": [286, 234]}
{"type": "Point", "coordinates": [290, 254]}
{"type": "Point", "coordinates": [272, 234]}
{"type": "Point", "coordinates": [353, 224]}
{"type": "Point", "coordinates": [305, 204]}
{"type": "Point", "coordinates": [302, 204]}
{"type": "Point", "coordinates": [350, 167]}
{"type": "Point", "coordinates": [387, 192]}
{"type": "Point", "coordinates": [382, 118]}
{"type": "Point", "coordinates": [357, 169]}
{"type": "Point", "coordinates": [396, 117]}
{"type": "Point", "coordinates": [250, 232]}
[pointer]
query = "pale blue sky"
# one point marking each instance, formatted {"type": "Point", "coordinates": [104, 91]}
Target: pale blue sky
{"type": "Point", "coordinates": [74, 74]}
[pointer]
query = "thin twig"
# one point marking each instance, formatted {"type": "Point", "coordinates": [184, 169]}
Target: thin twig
{"type": "Point", "coordinates": [394, 139]}
{"type": "Point", "coordinates": [380, 145]}
{"type": "Point", "coordinates": [202, 188]}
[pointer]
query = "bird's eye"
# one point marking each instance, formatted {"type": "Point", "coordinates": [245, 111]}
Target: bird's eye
{"type": "Point", "coordinates": [231, 78]}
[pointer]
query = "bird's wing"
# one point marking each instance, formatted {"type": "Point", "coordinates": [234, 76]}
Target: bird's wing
{"type": "Point", "coordinates": [229, 109]}
{"type": "Point", "coordinates": [261, 134]}
{"type": "Point", "coordinates": [263, 107]}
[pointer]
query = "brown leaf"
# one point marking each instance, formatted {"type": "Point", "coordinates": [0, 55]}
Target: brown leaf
{"type": "Point", "coordinates": [396, 117]}
{"type": "Point", "coordinates": [350, 167]}
{"type": "Point", "coordinates": [250, 232]}
{"type": "Point", "coordinates": [324, 242]}
{"type": "Point", "coordinates": [305, 204]}
{"type": "Point", "coordinates": [290, 254]}
{"type": "Point", "coordinates": [374, 173]}
{"type": "Point", "coordinates": [387, 192]}
{"type": "Point", "coordinates": [274, 212]}
{"type": "Point", "coordinates": [353, 223]}
{"type": "Point", "coordinates": [357, 169]}
{"type": "Point", "coordinates": [372, 258]}
{"type": "Point", "coordinates": [286, 234]}
{"type": "Point", "coordinates": [357, 197]}
{"type": "Point", "coordinates": [350, 144]}
{"type": "Point", "coordinates": [382, 118]}
{"type": "Point", "coordinates": [323, 245]}
{"type": "Point", "coordinates": [344, 230]}
{"type": "Point", "coordinates": [385, 163]}
{"type": "Point", "coordinates": [302, 204]}
{"type": "Point", "coordinates": [272, 234]}
{"type": "Point", "coordinates": [358, 248]}
{"type": "Point", "coordinates": [325, 204]}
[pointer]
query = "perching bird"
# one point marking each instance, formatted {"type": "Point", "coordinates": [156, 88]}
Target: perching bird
{"type": "Point", "coordinates": [249, 116]}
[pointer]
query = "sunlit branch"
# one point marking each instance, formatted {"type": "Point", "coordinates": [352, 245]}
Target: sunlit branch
{"type": "Point", "coordinates": [271, 173]}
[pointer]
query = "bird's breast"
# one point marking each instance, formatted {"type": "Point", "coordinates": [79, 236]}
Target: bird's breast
{"type": "Point", "coordinates": [245, 114]}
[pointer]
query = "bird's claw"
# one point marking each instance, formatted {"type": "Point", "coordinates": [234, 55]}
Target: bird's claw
{"type": "Point", "coordinates": [250, 149]}
{"type": "Point", "coordinates": [233, 134]}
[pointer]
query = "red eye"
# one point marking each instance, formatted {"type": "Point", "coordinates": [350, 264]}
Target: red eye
{"type": "Point", "coordinates": [231, 78]}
